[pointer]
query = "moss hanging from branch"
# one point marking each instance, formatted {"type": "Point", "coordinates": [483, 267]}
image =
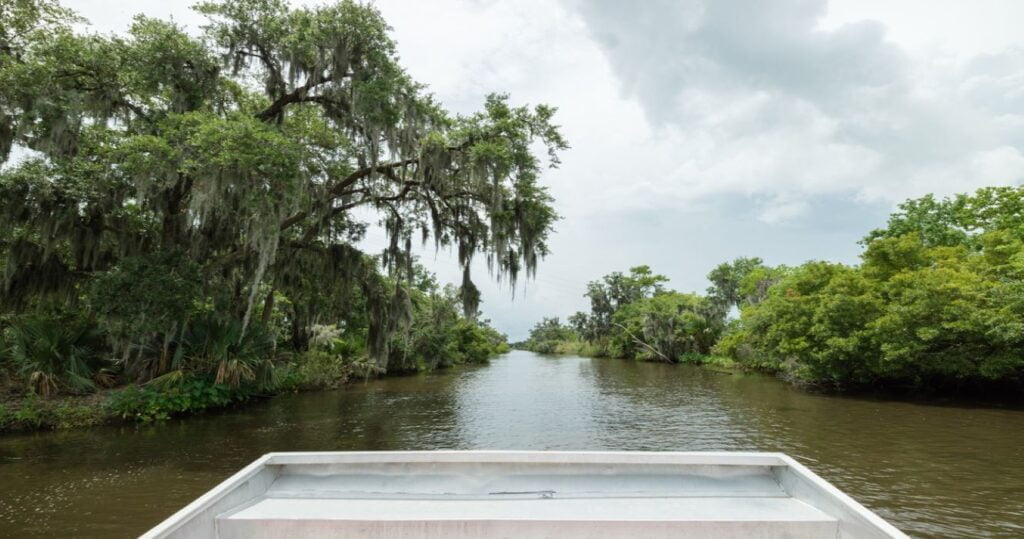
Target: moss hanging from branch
{"type": "Point", "coordinates": [158, 141]}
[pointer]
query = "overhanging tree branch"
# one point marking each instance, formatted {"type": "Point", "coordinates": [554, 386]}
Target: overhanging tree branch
{"type": "Point", "coordinates": [340, 189]}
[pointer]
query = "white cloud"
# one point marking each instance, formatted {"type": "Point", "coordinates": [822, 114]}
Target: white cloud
{"type": "Point", "coordinates": [955, 27]}
{"type": "Point", "coordinates": [762, 100]}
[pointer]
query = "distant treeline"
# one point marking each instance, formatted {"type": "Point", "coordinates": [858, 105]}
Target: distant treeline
{"type": "Point", "coordinates": [936, 302]}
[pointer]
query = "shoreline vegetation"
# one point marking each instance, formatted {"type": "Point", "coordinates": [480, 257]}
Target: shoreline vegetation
{"type": "Point", "coordinates": [39, 390]}
{"type": "Point", "coordinates": [935, 308]}
{"type": "Point", "coordinates": [53, 374]}
{"type": "Point", "coordinates": [181, 216]}
{"type": "Point", "coordinates": [135, 404]}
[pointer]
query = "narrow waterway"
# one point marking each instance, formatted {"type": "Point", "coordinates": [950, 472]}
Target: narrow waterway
{"type": "Point", "coordinates": [934, 471]}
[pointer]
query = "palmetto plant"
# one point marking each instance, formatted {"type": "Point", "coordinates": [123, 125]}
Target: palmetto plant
{"type": "Point", "coordinates": [234, 354]}
{"type": "Point", "coordinates": [54, 355]}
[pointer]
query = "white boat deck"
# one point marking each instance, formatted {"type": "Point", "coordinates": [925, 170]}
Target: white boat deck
{"type": "Point", "coordinates": [578, 517]}
{"type": "Point", "coordinates": [524, 494]}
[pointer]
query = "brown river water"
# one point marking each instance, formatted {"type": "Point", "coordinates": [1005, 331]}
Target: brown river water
{"type": "Point", "coordinates": [932, 470]}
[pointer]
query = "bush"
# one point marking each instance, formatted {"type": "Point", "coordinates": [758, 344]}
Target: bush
{"type": "Point", "coordinates": [68, 415]}
{"type": "Point", "coordinates": [162, 401]}
{"type": "Point", "coordinates": [331, 360]}
{"type": "Point", "coordinates": [55, 354]}
{"type": "Point", "coordinates": [233, 355]}
{"type": "Point", "coordinates": [323, 369]}
{"type": "Point", "coordinates": [142, 303]}
{"type": "Point", "coordinates": [320, 369]}
{"type": "Point", "coordinates": [31, 415]}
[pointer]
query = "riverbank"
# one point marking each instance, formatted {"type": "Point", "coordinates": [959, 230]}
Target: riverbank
{"type": "Point", "coordinates": [967, 392]}
{"type": "Point", "coordinates": [586, 349]}
{"type": "Point", "coordinates": [29, 414]}
{"type": "Point", "coordinates": [182, 397]}
{"type": "Point", "coordinates": [124, 405]}
{"type": "Point", "coordinates": [129, 404]}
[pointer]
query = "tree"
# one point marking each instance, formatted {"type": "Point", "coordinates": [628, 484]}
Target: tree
{"type": "Point", "coordinates": [634, 316]}
{"type": "Point", "coordinates": [615, 291]}
{"type": "Point", "coordinates": [744, 281]}
{"type": "Point", "coordinates": [814, 323]}
{"type": "Point", "coordinates": [248, 152]}
{"type": "Point", "coordinates": [439, 336]}
{"type": "Point", "coordinates": [547, 334]}
{"type": "Point", "coordinates": [726, 280]}
{"type": "Point", "coordinates": [583, 325]}
{"type": "Point", "coordinates": [666, 327]}
{"type": "Point", "coordinates": [959, 220]}
{"type": "Point", "coordinates": [936, 302]}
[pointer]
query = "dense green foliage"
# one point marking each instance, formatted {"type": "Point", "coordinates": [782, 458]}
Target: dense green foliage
{"type": "Point", "coordinates": [937, 302]}
{"type": "Point", "coordinates": [439, 335]}
{"type": "Point", "coordinates": [215, 363]}
{"type": "Point", "coordinates": [548, 335]}
{"type": "Point", "coordinates": [54, 355]}
{"type": "Point", "coordinates": [744, 281]}
{"type": "Point", "coordinates": [187, 395]}
{"type": "Point", "coordinates": [192, 204]}
{"type": "Point", "coordinates": [665, 327]}
{"type": "Point", "coordinates": [634, 316]}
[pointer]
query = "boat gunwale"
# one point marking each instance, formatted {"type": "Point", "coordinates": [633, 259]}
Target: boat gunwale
{"type": "Point", "coordinates": [840, 497]}
{"type": "Point", "coordinates": [715, 458]}
{"type": "Point", "coordinates": [225, 487]}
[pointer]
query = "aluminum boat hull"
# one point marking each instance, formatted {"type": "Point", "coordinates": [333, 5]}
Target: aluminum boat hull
{"type": "Point", "coordinates": [523, 494]}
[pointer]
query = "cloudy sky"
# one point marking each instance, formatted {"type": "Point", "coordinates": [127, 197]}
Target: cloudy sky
{"type": "Point", "coordinates": [703, 130]}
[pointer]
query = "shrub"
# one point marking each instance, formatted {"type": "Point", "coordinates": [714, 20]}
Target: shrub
{"type": "Point", "coordinates": [55, 354]}
{"type": "Point", "coordinates": [161, 401]}
{"type": "Point", "coordinates": [32, 414]}
{"type": "Point", "coordinates": [142, 303]}
{"type": "Point", "coordinates": [321, 369]}
{"type": "Point", "coordinates": [233, 355]}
